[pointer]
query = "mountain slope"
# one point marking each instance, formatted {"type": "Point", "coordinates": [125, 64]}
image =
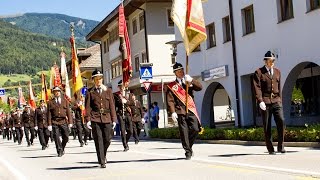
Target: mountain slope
{"type": "Point", "coordinates": [54, 25]}
{"type": "Point", "coordinates": [23, 52]}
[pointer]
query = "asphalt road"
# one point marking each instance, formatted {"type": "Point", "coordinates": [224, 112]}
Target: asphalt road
{"type": "Point", "coordinates": [156, 160]}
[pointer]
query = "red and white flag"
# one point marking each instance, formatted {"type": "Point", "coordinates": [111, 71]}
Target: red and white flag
{"type": "Point", "coordinates": [64, 76]}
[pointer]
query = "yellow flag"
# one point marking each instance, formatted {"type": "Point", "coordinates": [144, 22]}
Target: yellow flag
{"type": "Point", "coordinates": [188, 16]}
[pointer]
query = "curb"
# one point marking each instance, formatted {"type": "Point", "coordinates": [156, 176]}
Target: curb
{"type": "Point", "coordinates": [245, 143]}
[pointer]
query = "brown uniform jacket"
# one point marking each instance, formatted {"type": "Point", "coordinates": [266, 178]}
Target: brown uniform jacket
{"type": "Point", "coordinates": [59, 114]}
{"type": "Point", "coordinates": [267, 88]}
{"type": "Point", "coordinates": [174, 104]}
{"type": "Point", "coordinates": [77, 113]}
{"type": "Point", "coordinates": [41, 118]}
{"type": "Point", "coordinates": [16, 121]}
{"type": "Point", "coordinates": [100, 107]}
{"type": "Point", "coordinates": [28, 119]}
{"type": "Point", "coordinates": [136, 110]}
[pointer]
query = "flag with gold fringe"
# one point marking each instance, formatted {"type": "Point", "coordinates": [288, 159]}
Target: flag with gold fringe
{"type": "Point", "coordinates": [44, 90]}
{"type": "Point", "coordinates": [188, 16]}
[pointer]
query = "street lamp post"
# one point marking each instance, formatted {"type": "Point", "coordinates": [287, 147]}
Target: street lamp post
{"type": "Point", "coordinates": [174, 45]}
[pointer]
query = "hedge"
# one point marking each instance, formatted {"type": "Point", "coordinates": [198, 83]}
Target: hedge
{"type": "Point", "coordinates": [292, 134]}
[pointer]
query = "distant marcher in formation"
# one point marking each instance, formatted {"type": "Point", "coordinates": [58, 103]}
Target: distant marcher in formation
{"type": "Point", "coordinates": [189, 125]}
{"type": "Point", "coordinates": [41, 121]}
{"type": "Point", "coordinates": [17, 127]}
{"type": "Point", "coordinates": [267, 88]}
{"type": "Point", "coordinates": [100, 115]}
{"type": "Point", "coordinates": [28, 123]}
{"type": "Point", "coordinates": [79, 122]}
{"type": "Point", "coordinates": [137, 117]}
{"type": "Point", "coordinates": [155, 115]}
{"type": "Point", "coordinates": [59, 120]}
{"type": "Point", "coordinates": [124, 114]}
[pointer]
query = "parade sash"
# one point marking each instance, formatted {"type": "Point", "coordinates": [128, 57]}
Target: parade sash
{"type": "Point", "coordinates": [180, 93]}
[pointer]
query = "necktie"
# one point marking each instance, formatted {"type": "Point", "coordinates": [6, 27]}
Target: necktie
{"type": "Point", "coordinates": [58, 100]}
{"type": "Point", "coordinates": [99, 90]}
{"type": "Point", "coordinates": [270, 72]}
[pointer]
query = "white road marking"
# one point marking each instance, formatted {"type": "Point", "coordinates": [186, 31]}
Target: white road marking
{"type": "Point", "coordinates": [14, 171]}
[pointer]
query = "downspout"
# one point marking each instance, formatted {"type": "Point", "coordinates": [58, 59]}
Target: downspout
{"type": "Point", "coordinates": [235, 64]}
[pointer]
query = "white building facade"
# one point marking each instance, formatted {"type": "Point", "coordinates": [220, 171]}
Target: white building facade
{"type": "Point", "coordinates": [149, 28]}
{"type": "Point", "coordinates": [239, 34]}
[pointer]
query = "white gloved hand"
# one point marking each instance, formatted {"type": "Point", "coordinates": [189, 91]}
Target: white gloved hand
{"type": "Point", "coordinates": [36, 128]}
{"type": "Point", "coordinates": [143, 121]}
{"type": "Point", "coordinates": [263, 106]}
{"type": "Point", "coordinates": [4, 128]}
{"type": "Point", "coordinates": [174, 117]}
{"type": "Point", "coordinates": [50, 128]}
{"type": "Point", "coordinates": [89, 125]}
{"type": "Point", "coordinates": [188, 78]}
{"type": "Point", "coordinates": [114, 125]}
{"type": "Point", "coordinates": [10, 129]}
{"type": "Point", "coordinates": [22, 128]}
{"type": "Point", "coordinates": [70, 125]}
{"type": "Point", "coordinates": [14, 128]}
{"type": "Point", "coordinates": [124, 100]}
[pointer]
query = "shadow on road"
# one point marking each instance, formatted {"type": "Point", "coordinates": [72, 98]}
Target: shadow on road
{"type": "Point", "coordinates": [73, 168]}
{"type": "Point", "coordinates": [82, 152]}
{"type": "Point", "coordinates": [134, 161]}
{"type": "Point", "coordinates": [35, 157]}
{"type": "Point", "coordinates": [165, 148]}
{"type": "Point", "coordinates": [245, 154]}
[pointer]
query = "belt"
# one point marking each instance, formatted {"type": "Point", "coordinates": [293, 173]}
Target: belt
{"type": "Point", "coordinates": [102, 111]}
{"type": "Point", "coordinates": [272, 95]}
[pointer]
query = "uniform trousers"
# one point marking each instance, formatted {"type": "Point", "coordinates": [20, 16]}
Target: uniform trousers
{"type": "Point", "coordinates": [101, 133]}
{"type": "Point", "coordinates": [26, 132]}
{"type": "Point", "coordinates": [62, 130]}
{"type": "Point", "coordinates": [189, 129]}
{"type": "Point", "coordinates": [274, 109]}
{"type": "Point", "coordinates": [44, 135]}
{"type": "Point", "coordinates": [18, 134]}
{"type": "Point", "coordinates": [80, 127]}
{"type": "Point", "coordinates": [136, 126]}
{"type": "Point", "coordinates": [125, 128]}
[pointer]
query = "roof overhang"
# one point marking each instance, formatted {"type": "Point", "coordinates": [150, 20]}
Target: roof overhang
{"type": "Point", "coordinates": [130, 6]}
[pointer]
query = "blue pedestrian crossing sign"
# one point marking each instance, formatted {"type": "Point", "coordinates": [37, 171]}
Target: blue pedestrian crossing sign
{"type": "Point", "coordinates": [2, 92]}
{"type": "Point", "coordinates": [146, 72]}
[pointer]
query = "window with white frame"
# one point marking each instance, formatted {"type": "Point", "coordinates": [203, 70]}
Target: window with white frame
{"type": "Point", "coordinates": [211, 40]}
{"type": "Point", "coordinates": [285, 10]}
{"type": "Point", "coordinates": [136, 63]}
{"type": "Point", "coordinates": [170, 22]}
{"type": "Point", "coordinates": [144, 57]}
{"type": "Point", "coordinates": [141, 21]}
{"type": "Point", "coordinates": [226, 29]}
{"type": "Point", "coordinates": [134, 26]}
{"type": "Point", "coordinates": [248, 20]}
{"type": "Point", "coordinates": [116, 67]}
{"type": "Point", "coordinates": [313, 4]}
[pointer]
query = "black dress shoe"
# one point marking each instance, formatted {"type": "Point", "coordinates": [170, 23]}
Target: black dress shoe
{"type": "Point", "coordinates": [136, 142]}
{"type": "Point", "coordinates": [102, 165]}
{"type": "Point", "coordinates": [81, 145]}
{"type": "Point", "coordinates": [59, 154]}
{"type": "Point", "coordinates": [43, 147]}
{"type": "Point", "coordinates": [126, 149]}
{"type": "Point", "coordinates": [188, 157]}
{"type": "Point", "coordinates": [28, 145]}
{"type": "Point", "coordinates": [86, 143]}
{"type": "Point", "coordinates": [282, 151]}
{"type": "Point", "coordinates": [272, 153]}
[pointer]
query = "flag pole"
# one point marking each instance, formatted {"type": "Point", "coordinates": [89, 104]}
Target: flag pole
{"type": "Point", "coordinates": [187, 83]}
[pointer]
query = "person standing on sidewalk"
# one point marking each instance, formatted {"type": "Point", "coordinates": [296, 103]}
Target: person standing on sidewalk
{"type": "Point", "coordinates": [41, 121]}
{"type": "Point", "coordinates": [155, 115]}
{"type": "Point", "coordinates": [59, 119]}
{"type": "Point", "coordinates": [29, 124]}
{"type": "Point", "coordinates": [267, 89]}
{"type": "Point", "coordinates": [189, 123]}
{"type": "Point", "coordinates": [100, 115]}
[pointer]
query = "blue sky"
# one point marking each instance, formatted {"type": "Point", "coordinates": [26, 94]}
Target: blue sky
{"type": "Point", "coordinates": [87, 9]}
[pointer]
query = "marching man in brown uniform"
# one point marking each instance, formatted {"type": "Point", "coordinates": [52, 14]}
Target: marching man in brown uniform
{"type": "Point", "coordinates": [189, 124]}
{"type": "Point", "coordinates": [100, 115]}
{"type": "Point", "coordinates": [137, 117]}
{"type": "Point", "coordinates": [41, 121]}
{"type": "Point", "coordinates": [28, 124]}
{"type": "Point", "coordinates": [59, 118]}
{"type": "Point", "coordinates": [267, 89]}
{"type": "Point", "coordinates": [17, 127]}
